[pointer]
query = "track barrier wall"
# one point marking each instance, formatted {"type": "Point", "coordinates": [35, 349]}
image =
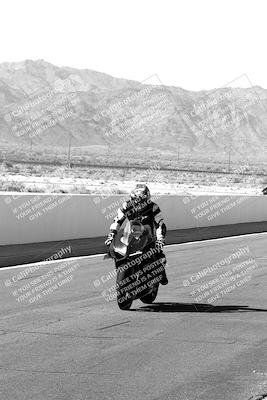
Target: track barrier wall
{"type": "Point", "coordinates": [35, 218]}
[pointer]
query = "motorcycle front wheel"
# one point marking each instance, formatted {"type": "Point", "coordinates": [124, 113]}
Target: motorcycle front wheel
{"type": "Point", "coordinates": [123, 300]}
{"type": "Point", "coordinates": [150, 297]}
{"type": "Point", "coordinates": [124, 305]}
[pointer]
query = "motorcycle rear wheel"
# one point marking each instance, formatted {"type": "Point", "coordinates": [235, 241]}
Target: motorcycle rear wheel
{"type": "Point", "coordinates": [150, 297]}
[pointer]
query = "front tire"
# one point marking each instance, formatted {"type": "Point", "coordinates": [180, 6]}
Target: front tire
{"type": "Point", "coordinates": [150, 297]}
{"type": "Point", "coordinates": [124, 305]}
{"type": "Point", "coordinates": [124, 302]}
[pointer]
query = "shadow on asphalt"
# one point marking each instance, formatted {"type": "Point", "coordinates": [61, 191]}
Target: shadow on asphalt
{"type": "Point", "coordinates": [195, 307]}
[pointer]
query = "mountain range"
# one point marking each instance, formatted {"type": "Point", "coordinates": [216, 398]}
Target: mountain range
{"type": "Point", "coordinates": [51, 106]}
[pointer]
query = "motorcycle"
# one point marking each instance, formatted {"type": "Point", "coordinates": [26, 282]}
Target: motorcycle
{"type": "Point", "coordinates": [139, 264]}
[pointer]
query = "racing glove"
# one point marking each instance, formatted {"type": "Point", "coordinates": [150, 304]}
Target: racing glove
{"type": "Point", "coordinates": [159, 244]}
{"type": "Point", "coordinates": [110, 238]}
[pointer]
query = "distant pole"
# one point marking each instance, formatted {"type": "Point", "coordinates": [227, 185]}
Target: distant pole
{"type": "Point", "coordinates": [69, 149]}
{"type": "Point", "coordinates": [178, 146]}
{"type": "Point", "coordinates": [229, 159]}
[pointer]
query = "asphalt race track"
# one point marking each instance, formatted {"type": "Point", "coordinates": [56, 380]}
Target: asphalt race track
{"type": "Point", "coordinates": [70, 343]}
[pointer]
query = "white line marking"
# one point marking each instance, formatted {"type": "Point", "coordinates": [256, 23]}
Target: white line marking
{"type": "Point", "coordinates": [44, 263]}
{"type": "Point", "coordinates": [222, 238]}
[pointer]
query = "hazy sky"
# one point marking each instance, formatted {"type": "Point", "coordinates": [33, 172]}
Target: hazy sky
{"type": "Point", "coordinates": [194, 44]}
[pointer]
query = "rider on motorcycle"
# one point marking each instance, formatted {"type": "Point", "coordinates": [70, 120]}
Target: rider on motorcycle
{"type": "Point", "coordinates": [141, 205]}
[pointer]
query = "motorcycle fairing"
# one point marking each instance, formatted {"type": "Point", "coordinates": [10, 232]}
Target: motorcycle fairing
{"type": "Point", "coordinates": [132, 238]}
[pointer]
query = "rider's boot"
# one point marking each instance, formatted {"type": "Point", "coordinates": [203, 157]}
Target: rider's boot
{"type": "Point", "coordinates": [164, 280]}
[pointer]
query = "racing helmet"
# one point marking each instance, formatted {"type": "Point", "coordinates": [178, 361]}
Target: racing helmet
{"type": "Point", "coordinates": [140, 193]}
